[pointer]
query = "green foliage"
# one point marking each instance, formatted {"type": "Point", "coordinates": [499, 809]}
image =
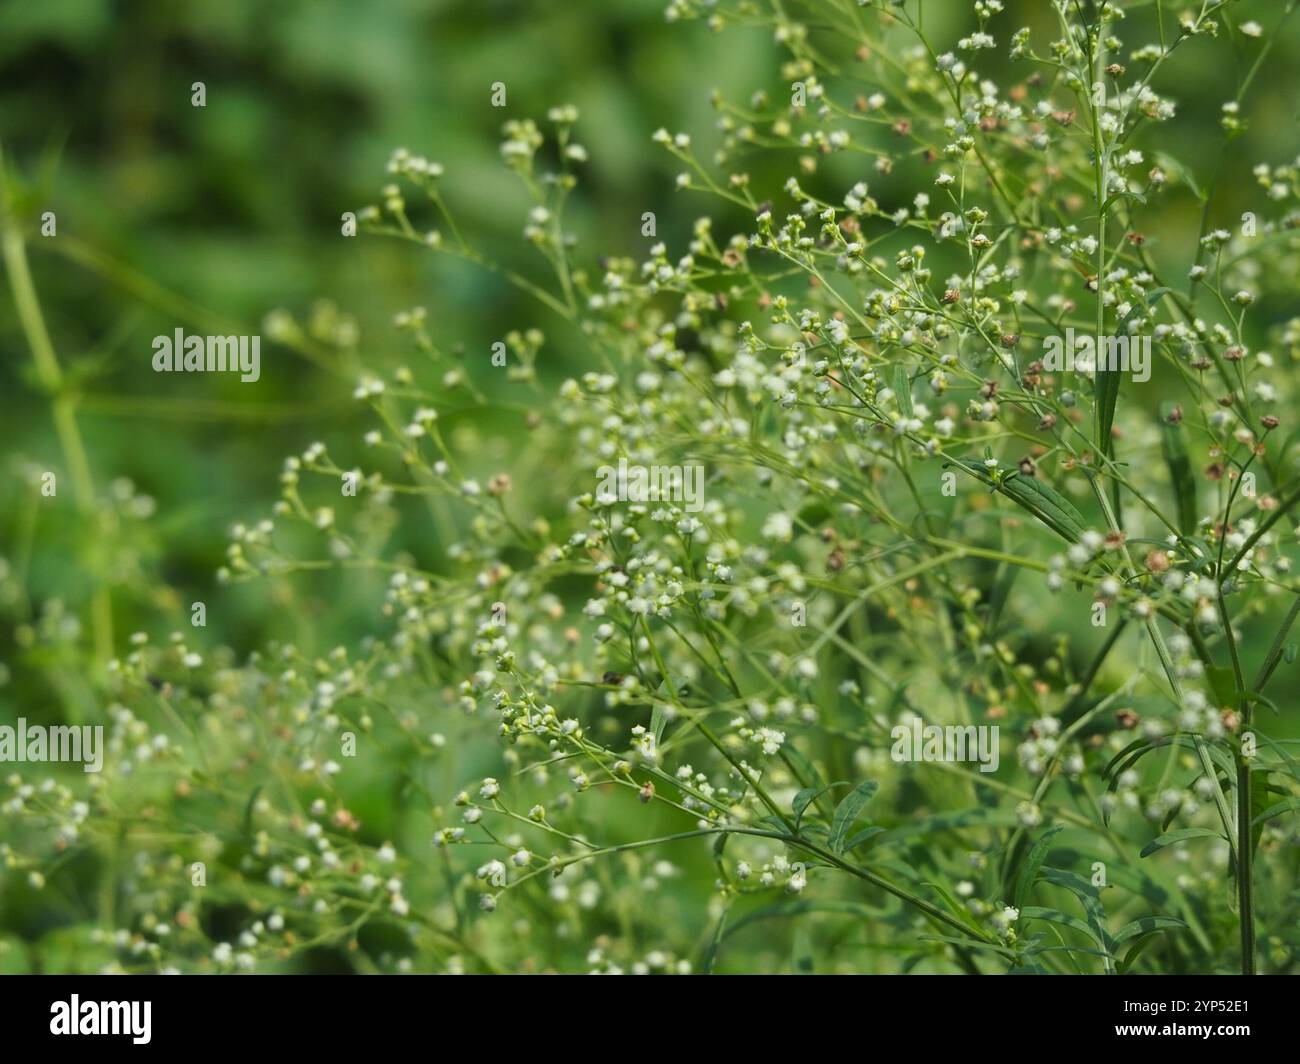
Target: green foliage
{"type": "Point", "coordinates": [497, 709]}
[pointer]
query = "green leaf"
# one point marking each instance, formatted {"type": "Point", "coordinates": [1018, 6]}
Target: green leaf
{"type": "Point", "coordinates": [715, 943]}
{"type": "Point", "coordinates": [658, 719]}
{"type": "Point", "coordinates": [1120, 762]}
{"type": "Point", "coordinates": [1106, 383]}
{"type": "Point", "coordinates": [248, 809]}
{"type": "Point", "coordinates": [955, 907]}
{"type": "Point", "coordinates": [1002, 592]}
{"type": "Point", "coordinates": [966, 943]}
{"type": "Point", "coordinates": [847, 812]}
{"type": "Point", "coordinates": [1258, 699]}
{"type": "Point", "coordinates": [1153, 297]}
{"type": "Point", "coordinates": [807, 796]}
{"type": "Point", "coordinates": [800, 801]}
{"type": "Point", "coordinates": [1139, 945]}
{"type": "Point", "coordinates": [1135, 751]}
{"type": "Point", "coordinates": [1034, 495]}
{"type": "Point", "coordinates": [859, 837]}
{"type": "Point", "coordinates": [1182, 835]}
{"type": "Point", "coordinates": [804, 770]}
{"type": "Point", "coordinates": [787, 909]}
{"type": "Point", "coordinates": [1290, 805]}
{"type": "Point", "coordinates": [903, 390]}
{"type": "Point", "coordinates": [1260, 789]}
{"type": "Point", "coordinates": [1090, 898]}
{"type": "Point", "coordinates": [1029, 870]}
{"type": "Point", "coordinates": [1279, 648]}
{"type": "Point", "coordinates": [815, 513]}
{"type": "Point", "coordinates": [1037, 912]}
{"type": "Point", "coordinates": [1171, 165]}
{"type": "Point", "coordinates": [1129, 194]}
{"type": "Point", "coordinates": [1028, 968]}
{"type": "Point", "coordinates": [1047, 504]}
{"type": "Point", "coordinates": [1147, 925]}
{"type": "Point", "coordinates": [1158, 884]}
{"type": "Point", "coordinates": [1174, 444]}
{"type": "Point", "coordinates": [1105, 391]}
{"type": "Point", "coordinates": [963, 818]}
{"type": "Point", "coordinates": [1223, 682]}
{"type": "Point", "coordinates": [1143, 932]}
{"type": "Point", "coordinates": [658, 713]}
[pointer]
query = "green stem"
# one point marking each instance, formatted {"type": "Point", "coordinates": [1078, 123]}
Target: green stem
{"type": "Point", "coordinates": [63, 405]}
{"type": "Point", "coordinates": [1245, 862]}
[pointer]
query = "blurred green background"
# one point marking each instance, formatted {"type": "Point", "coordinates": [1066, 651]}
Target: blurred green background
{"type": "Point", "coordinates": [235, 207]}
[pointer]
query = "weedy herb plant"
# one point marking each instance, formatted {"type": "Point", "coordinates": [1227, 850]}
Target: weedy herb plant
{"type": "Point", "coordinates": [966, 657]}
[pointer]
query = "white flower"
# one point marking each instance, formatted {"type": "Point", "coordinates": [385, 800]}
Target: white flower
{"type": "Point", "coordinates": [1029, 814]}
{"type": "Point", "coordinates": [493, 872]}
{"type": "Point", "coordinates": [779, 527]}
